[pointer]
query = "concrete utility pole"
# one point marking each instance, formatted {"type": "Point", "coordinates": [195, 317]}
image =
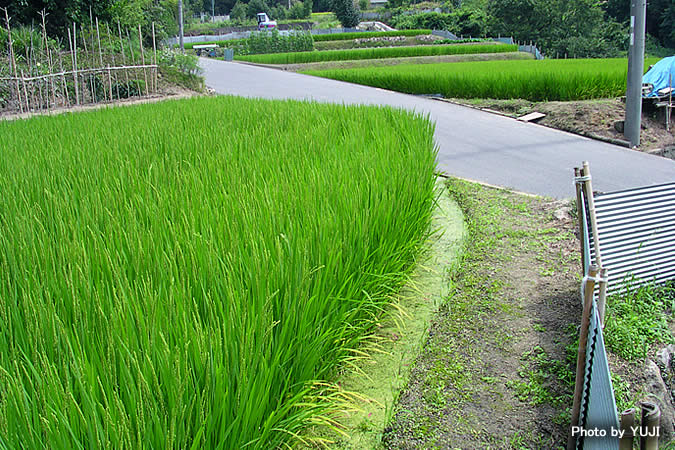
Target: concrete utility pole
{"type": "Point", "coordinates": [636, 62]}
{"type": "Point", "coordinates": [180, 26]}
{"type": "Point", "coordinates": [213, 10]}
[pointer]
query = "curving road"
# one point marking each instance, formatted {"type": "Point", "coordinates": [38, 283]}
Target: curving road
{"type": "Point", "coordinates": [473, 144]}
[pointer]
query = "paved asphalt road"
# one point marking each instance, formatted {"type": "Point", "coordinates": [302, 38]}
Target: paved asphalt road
{"type": "Point", "coordinates": [473, 144]}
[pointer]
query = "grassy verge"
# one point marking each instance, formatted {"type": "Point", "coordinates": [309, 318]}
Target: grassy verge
{"type": "Point", "coordinates": [546, 80]}
{"type": "Point", "coordinates": [377, 53]}
{"type": "Point", "coordinates": [165, 283]}
{"type": "Point", "coordinates": [497, 368]}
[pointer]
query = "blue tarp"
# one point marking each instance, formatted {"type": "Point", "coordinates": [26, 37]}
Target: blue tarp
{"type": "Point", "coordinates": [660, 75]}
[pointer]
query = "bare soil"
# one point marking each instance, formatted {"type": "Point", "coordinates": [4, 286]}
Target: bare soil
{"type": "Point", "coordinates": [591, 118]}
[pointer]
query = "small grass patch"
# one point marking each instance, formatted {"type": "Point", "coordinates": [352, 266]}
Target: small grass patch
{"type": "Point", "coordinates": [638, 319]}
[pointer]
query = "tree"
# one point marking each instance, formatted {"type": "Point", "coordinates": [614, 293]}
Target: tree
{"type": "Point", "coordinates": [60, 13]}
{"type": "Point", "coordinates": [346, 12]}
{"type": "Point", "coordinates": [255, 7]}
{"type": "Point", "coordinates": [238, 11]}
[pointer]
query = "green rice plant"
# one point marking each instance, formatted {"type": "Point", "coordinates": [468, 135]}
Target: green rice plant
{"type": "Point", "coordinates": [191, 274]}
{"type": "Point", "coordinates": [547, 80]}
{"type": "Point", "coordinates": [367, 34]}
{"type": "Point", "coordinates": [377, 53]}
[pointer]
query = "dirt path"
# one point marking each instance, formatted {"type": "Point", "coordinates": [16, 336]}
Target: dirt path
{"type": "Point", "coordinates": [494, 371]}
{"type": "Point", "coordinates": [591, 118]}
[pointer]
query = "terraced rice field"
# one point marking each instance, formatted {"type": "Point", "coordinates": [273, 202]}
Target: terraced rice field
{"type": "Point", "coordinates": [547, 80]}
{"type": "Point", "coordinates": [377, 53]}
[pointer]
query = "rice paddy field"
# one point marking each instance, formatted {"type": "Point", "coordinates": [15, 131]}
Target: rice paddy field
{"type": "Point", "coordinates": [169, 282]}
{"type": "Point", "coordinates": [546, 80]}
{"type": "Point", "coordinates": [377, 53]}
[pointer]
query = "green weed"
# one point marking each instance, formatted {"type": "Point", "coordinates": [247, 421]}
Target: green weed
{"type": "Point", "coordinates": [639, 318]}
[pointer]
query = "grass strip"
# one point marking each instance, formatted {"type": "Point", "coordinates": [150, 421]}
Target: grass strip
{"type": "Point", "coordinates": [367, 34]}
{"type": "Point", "coordinates": [377, 53]}
{"type": "Point", "coordinates": [170, 283]}
{"type": "Point", "coordinates": [547, 80]}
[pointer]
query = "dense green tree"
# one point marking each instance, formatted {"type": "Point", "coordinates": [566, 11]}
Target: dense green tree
{"type": "Point", "coordinates": [238, 11]}
{"type": "Point", "coordinates": [467, 21]}
{"type": "Point", "coordinates": [60, 13]}
{"type": "Point", "coordinates": [256, 6]}
{"type": "Point", "coordinates": [346, 12]}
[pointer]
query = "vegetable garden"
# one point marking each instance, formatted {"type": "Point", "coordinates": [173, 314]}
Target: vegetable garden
{"type": "Point", "coordinates": [169, 284]}
{"type": "Point", "coordinates": [547, 80]}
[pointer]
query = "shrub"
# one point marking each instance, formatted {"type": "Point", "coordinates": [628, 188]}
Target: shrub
{"type": "Point", "coordinates": [428, 20]}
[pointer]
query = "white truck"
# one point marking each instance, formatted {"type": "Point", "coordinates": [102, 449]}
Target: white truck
{"type": "Point", "coordinates": [264, 22]}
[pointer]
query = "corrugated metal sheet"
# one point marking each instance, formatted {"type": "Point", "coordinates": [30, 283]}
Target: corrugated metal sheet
{"type": "Point", "coordinates": [636, 229]}
{"type": "Point", "coordinates": [598, 406]}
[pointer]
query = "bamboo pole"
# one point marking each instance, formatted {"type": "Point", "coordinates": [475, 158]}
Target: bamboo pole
{"type": "Point", "coordinates": [73, 57]}
{"type": "Point", "coordinates": [586, 172]}
{"type": "Point", "coordinates": [12, 61]}
{"type": "Point", "coordinates": [140, 44]}
{"type": "Point", "coordinates": [154, 58]}
{"type": "Point", "coordinates": [100, 55]}
{"type": "Point", "coordinates": [581, 212]}
{"type": "Point", "coordinates": [131, 50]}
{"type": "Point", "coordinates": [90, 82]}
{"type": "Point", "coordinates": [25, 91]}
{"type": "Point", "coordinates": [124, 56]}
{"type": "Point", "coordinates": [627, 424]}
{"type": "Point", "coordinates": [602, 296]}
{"type": "Point", "coordinates": [64, 84]}
{"type": "Point", "coordinates": [589, 285]}
{"type": "Point", "coordinates": [36, 91]}
{"type": "Point", "coordinates": [649, 428]}
{"type": "Point", "coordinates": [112, 59]}
{"type": "Point", "coordinates": [48, 53]}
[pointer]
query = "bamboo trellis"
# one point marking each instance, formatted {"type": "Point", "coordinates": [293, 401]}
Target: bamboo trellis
{"type": "Point", "coordinates": [96, 66]}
